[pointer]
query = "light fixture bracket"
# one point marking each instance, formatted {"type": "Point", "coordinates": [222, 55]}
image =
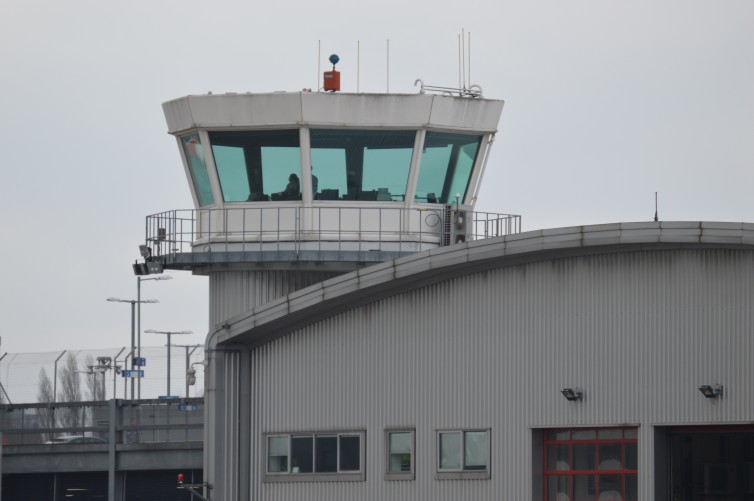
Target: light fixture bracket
{"type": "Point", "coordinates": [572, 395]}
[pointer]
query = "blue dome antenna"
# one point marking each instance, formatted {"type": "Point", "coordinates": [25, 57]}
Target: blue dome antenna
{"type": "Point", "coordinates": [334, 59]}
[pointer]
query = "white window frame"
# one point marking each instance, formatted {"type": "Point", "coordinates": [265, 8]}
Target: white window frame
{"type": "Point", "coordinates": [400, 475]}
{"type": "Point", "coordinates": [290, 476]}
{"type": "Point", "coordinates": [461, 473]}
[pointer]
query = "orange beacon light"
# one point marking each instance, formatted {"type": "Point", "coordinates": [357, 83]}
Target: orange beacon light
{"type": "Point", "coordinates": [332, 78]}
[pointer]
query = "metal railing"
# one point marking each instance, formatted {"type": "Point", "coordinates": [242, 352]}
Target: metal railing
{"type": "Point", "coordinates": [262, 229]}
{"type": "Point", "coordinates": [121, 421]}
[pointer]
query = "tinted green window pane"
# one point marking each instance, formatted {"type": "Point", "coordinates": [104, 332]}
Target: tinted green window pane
{"type": "Point", "coordinates": [462, 172]}
{"type": "Point", "coordinates": [329, 167]}
{"type": "Point", "coordinates": [446, 166]}
{"type": "Point", "coordinates": [231, 169]}
{"type": "Point", "coordinates": [349, 453]}
{"type": "Point", "coordinates": [631, 433]}
{"type": "Point", "coordinates": [475, 450]}
{"type": "Point", "coordinates": [386, 172]}
{"type": "Point", "coordinates": [558, 457]}
{"type": "Point", "coordinates": [326, 454]}
{"type": "Point", "coordinates": [258, 166]}
{"type": "Point", "coordinates": [282, 172]}
{"type": "Point", "coordinates": [450, 451]}
{"type": "Point", "coordinates": [195, 156]}
{"type": "Point", "coordinates": [361, 164]}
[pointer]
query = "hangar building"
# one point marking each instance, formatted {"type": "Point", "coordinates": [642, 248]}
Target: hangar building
{"type": "Point", "coordinates": [373, 337]}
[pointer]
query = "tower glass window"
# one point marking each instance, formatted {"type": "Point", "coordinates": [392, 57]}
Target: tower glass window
{"type": "Point", "coordinates": [361, 164]}
{"type": "Point", "coordinates": [194, 151]}
{"type": "Point", "coordinates": [591, 464]}
{"type": "Point", "coordinates": [258, 166]}
{"type": "Point", "coordinates": [446, 166]}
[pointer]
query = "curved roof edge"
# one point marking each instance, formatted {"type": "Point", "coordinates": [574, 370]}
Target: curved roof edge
{"type": "Point", "coordinates": [325, 299]}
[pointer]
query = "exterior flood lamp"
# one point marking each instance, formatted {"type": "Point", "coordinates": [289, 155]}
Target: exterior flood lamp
{"type": "Point", "coordinates": [572, 395]}
{"type": "Point", "coordinates": [711, 391]}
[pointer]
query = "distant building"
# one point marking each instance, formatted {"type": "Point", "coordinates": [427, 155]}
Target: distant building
{"type": "Point", "coordinates": [375, 338]}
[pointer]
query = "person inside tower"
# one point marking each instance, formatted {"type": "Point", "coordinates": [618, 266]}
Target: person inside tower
{"type": "Point", "coordinates": [352, 184]}
{"type": "Point", "coordinates": [293, 189]}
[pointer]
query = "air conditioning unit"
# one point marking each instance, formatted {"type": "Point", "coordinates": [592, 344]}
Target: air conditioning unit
{"type": "Point", "coordinates": [454, 225]}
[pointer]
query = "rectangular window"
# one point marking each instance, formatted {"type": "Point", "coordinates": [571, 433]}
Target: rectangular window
{"type": "Point", "coordinates": [446, 166]}
{"type": "Point", "coordinates": [258, 166]}
{"type": "Point", "coordinates": [314, 457]}
{"type": "Point", "coordinates": [463, 454]}
{"type": "Point", "coordinates": [368, 165]}
{"type": "Point", "coordinates": [400, 454]}
{"type": "Point", "coordinates": [591, 464]}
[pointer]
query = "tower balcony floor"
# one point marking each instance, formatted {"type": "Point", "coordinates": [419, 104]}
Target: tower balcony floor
{"type": "Point", "coordinates": [318, 238]}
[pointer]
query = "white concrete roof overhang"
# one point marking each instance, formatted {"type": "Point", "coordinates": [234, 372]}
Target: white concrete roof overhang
{"type": "Point", "coordinates": [306, 306]}
{"type": "Point", "coordinates": [321, 109]}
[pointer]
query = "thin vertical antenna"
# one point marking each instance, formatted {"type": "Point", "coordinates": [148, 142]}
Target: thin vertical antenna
{"type": "Point", "coordinates": [319, 58]}
{"type": "Point", "coordinates": [468, 60]}
{"type": "Point", "coordinates": [463, 56]}
{"type": "Point", "coordinates": [656, 218]}
{"type": "Point", "coordinates": [459, 61]}
{"type": "Point", "coordinates": [358, 64]}
{"type": "Point", "coordinates": [388, 66]}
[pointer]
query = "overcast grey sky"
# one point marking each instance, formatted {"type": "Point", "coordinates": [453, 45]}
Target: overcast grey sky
{"type": "Point", "coordinates": [606, 103]}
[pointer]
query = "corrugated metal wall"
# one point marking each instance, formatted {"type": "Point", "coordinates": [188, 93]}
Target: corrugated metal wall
{"type": "Point", "coordinates": [638, 332]}
{"type": "Point", "coordinates": [234, 292]}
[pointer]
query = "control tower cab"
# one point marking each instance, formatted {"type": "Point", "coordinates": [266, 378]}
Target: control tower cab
{"type": "Point", "coordinates": [325, 181]}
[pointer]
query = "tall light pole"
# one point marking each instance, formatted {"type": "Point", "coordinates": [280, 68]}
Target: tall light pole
{"type": "Point", "coordinates": [168, 333]}
{"type": "Point", "coordinates": [188, 360]}
{"type": "Point", "coordinates": [133, 302]}
{"type": "Point", "coordinates": [138, 319]}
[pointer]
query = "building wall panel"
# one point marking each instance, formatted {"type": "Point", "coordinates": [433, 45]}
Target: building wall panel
{"type": "Point", "coordinates": [234, 292]}
{"type": "Point", "coordinates": [637, 331]}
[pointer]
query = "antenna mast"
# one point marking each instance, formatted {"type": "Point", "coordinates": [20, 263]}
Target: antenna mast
{"type": "Point", "coordinates": [358, 64]}
{"type": "Point", "coordinates": [388, 66]}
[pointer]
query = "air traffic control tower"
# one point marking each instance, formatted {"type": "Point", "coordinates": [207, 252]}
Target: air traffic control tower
{"type": "Point", "coordinates": [291, 188]}
{"type": "Point", "coordinates": [294, 188]}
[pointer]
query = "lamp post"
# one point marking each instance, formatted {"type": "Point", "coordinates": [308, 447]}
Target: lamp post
{"type": "Point", "coordinates": [133, 302]}
{"type": "Point", "coordinates": [138, 319]}
{"type": "Point", "coordinates": [188, 360]}
{"type": "Point", "coordinates": [168, 333]}
{"type": "Point", "coordinates": [55, 378]}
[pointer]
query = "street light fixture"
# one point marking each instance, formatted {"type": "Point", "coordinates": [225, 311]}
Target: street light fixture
{"type": "Point", "coordinates": [133, 302]}
{"type": "Point", "coordinates": [138, 315]}
{"type": "Point", "coordinates": [188, 360]}
{"type": "Point", "coordinates": [168, 333]}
